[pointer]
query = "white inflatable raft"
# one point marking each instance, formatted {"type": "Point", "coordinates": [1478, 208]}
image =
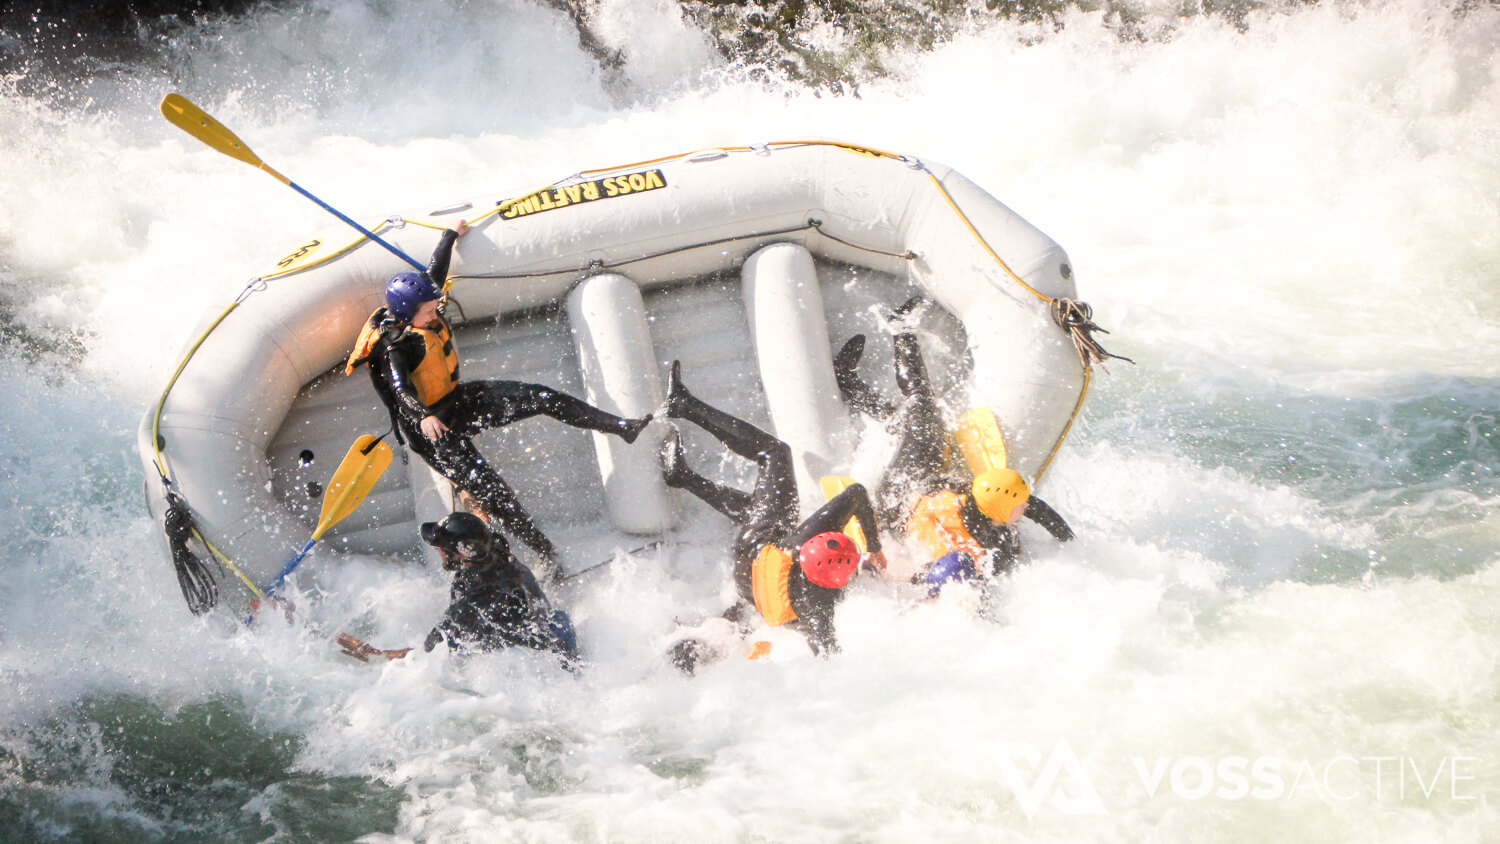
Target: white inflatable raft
{"type": "Point", "coordinates": [752, 265]}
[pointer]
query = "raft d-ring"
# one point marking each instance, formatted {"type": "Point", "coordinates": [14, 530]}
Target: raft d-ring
{"type": "Point", "coordinates": [761, 149]}
{"type": "Point", "coordinates": [912, 162]}
{"type": "Point", "coordinates": [396, 222]}
{"type": "Point", "coordinates": [255, 285]}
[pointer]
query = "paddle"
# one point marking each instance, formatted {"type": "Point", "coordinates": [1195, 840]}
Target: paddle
{"type": "Point", "coordinates": [351, 482]}
{"type": "Point", "coordinates": [198, 123]}
{"type": "Point", "coordinates": [980, 440]}
{"type": "Point", "coordinates": [832, 485]}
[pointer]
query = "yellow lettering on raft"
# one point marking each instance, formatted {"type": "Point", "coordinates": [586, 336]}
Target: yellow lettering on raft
{"type": "Point", "coordinates": [562, 197]}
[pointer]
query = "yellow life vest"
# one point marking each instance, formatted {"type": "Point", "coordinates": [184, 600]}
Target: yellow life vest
{"type": "Point", "coordinates": [437, 374]}
{"type": "Point", "coordinates": [937, 525]}
{"type": "Point", "coordinates": [769, 583]}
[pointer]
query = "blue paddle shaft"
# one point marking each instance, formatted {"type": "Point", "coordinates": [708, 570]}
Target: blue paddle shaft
{"type": "Point", "coordinates": [362, 230]}
{"type": "Point", "coordinates": [281, 578]}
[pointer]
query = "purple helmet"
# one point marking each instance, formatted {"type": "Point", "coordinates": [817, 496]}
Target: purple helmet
{"type": "Point", "coordinates": [406, 292]}
{"type": "Point", "coordinates": [955, 566]}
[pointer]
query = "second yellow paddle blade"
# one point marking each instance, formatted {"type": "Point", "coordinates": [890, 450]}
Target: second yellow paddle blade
{"type": "Point", "coordinates": [352, 481]}
{"type": "Point", "coordinates": [833, 485]}
{"type": "Point", "coordinates": [980, 440]}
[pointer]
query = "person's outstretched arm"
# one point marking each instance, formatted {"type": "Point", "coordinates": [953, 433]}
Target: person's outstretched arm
{"type": "Point", "coordinates": [398, 375]}
{"type": "Point", "coordinates": [853, 502]}
{"type": "Point", "coordinates": [437, 268]}
{"type": "Point", "coordinates": [1042, 513]}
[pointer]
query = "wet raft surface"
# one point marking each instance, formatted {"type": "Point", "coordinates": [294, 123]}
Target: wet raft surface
{"type": "Point", "coordinates": [552, 466]}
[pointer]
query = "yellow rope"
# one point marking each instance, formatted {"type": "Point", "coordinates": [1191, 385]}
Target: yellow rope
{"type": "Point", "coordinates": [1086, 365]}
{"type": "Point", "coordinates": [1088, 373]}
{"type": "Point", "coordinates": [161, 404]}
{"type": "Point", "coordinates": [943, 189]}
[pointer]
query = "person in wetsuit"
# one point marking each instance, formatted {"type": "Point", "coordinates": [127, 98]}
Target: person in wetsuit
{"type": "Point", "coordinates": [794, 573]}
{"type": "Point", "coordinates": [495, 602]}
{"type": "Point", "coordinates": [958, 524]}
{"type": "Point", "coordinates": [408, 346]}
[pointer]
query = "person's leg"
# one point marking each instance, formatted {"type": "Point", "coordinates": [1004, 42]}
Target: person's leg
{"type": "Point", "coordinates": [491, 404]}
{"type": "Point", "coordinates": [456, 458]}
{"type": "Point", "coordinates": [918, 459]}
{"type": "Point", "coordinates": [740, 436]}
{"type": "Point", "coordinates": [860, 395]}
{"type": "Point", "coordinates": [773, 503]}
{"type": "Point", "coordinates": [911, 370]}
{"type": "Point", "coordinates": [853, 501]}
{"type": "Point", "coordinates": [676, 474]}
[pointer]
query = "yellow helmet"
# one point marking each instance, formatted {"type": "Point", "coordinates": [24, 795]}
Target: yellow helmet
{"type": "Point", "coordinates": [998, 492]}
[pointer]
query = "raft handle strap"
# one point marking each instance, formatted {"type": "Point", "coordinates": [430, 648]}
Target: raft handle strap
{"type": "Point", "coordinates": [596, 264]}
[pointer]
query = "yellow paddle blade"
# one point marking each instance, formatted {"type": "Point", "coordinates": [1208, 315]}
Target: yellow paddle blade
{"type": "Point", "coordinates": [351, 482]}
{"type": "Point", "coordinates": [980, 440]}
{"type": "Point", "coordinates": [180, 112]}
{"type": "Point", "coordinates": [832, 485]}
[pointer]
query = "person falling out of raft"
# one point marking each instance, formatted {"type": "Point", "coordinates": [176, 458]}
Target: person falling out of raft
{"type": "Point", "coordinates": [793, 573]}
{"type": "Point", "coordinates": [408, 346]}
{"type": "Point", "coordinates": [495, 602]}
{"type": "Point", "coordinates": [957, 524]}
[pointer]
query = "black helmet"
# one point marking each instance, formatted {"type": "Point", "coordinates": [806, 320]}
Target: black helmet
{"type": "Point", "coordinates": [461, 534]}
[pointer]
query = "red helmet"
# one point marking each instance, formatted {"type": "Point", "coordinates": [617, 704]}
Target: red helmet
{"type": "Point", "coordinates": [828, 559]}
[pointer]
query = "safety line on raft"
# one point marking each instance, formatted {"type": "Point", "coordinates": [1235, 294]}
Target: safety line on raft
{"type": "Point", "coordinates": [812, 224]}
{"type": "Point", "coordinates": [156, 441]}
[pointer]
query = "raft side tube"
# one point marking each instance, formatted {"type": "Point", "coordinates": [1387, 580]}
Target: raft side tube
{"type": "Point", "coordinates": [607, 317]}
{"type": "Point", "coordinates": [793, 352]}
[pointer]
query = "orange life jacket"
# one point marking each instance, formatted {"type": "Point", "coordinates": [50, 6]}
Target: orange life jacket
{"type": "Point", "coordinates": [936, 524]}
{"type": "Point", "coordinates": [437, 374]}
{"type": "Point", "coordinates": [770, 577]}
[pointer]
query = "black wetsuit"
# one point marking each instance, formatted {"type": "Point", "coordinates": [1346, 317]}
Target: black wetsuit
{"type": "Point", "coordinates": [469, 409]}
{"type": "Point", "coordinates": [497, 603]}
{"type": "Point", "coordinates": [1004, 541]}
{"type": "Point", "coordinates": [768, 514]}
{"type": "Point", "coordinates": [916, 468]}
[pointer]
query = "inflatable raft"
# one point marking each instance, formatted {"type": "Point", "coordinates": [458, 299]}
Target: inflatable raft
{"type": "Point", "coordinates": [750, 264]}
